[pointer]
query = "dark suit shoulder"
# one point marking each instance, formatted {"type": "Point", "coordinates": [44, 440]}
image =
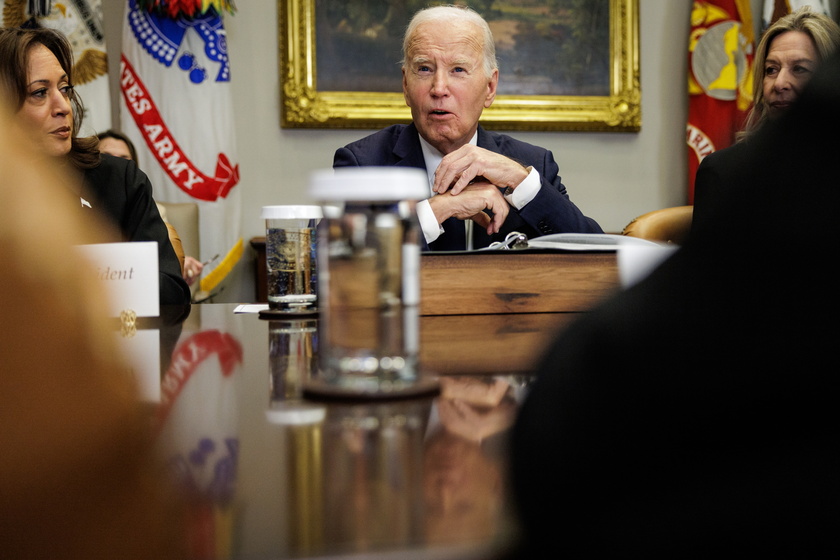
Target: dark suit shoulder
{"type": "Point", "coordinates": [719, 177]}
{"type": "Point", "coordinates": [376, 148]}
{"type": "Point", "coordinates": [725, 158]}
{"type": "Point", "coordinates": [388, 135]}
{"type": "Point", "coordinates": [510, 146]}
{"type": "Point", "coordinates": [109, 168]}
{"type": "Point", "coordinates": [114, 173]}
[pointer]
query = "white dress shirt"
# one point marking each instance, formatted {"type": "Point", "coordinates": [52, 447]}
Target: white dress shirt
{"type": "Point", "coordinates": [521, 195]}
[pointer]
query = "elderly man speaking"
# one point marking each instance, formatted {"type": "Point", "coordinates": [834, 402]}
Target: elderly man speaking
{"type": "Point", "coordinates": [501, 184]}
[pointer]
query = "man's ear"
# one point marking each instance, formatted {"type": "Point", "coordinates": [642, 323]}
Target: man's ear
{"type": "Point", "coordinates": [491, 88]}
{"type": "Point", "coordinates": [405, 87]}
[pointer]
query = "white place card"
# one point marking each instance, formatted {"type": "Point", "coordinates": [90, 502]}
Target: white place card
{"type": "Point", "coordinates": [128, 272]}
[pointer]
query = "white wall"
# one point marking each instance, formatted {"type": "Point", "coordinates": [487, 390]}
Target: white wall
{"type": "Point", "coordinates": [612, 177]}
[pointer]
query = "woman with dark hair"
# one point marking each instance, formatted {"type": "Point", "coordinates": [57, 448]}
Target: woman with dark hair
{"type": "Point", "coordinates": [37, 85]}
{"type": "Point", "coordinates": [117, 144]}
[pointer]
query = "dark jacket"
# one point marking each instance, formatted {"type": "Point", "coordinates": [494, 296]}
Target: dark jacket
{"type": "Point", "coordinates": [551, 211]}
{"type": "Point", "coordinates": [122, 194]}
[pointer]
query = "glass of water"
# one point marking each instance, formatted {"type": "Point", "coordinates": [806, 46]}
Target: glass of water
{"type": "Point", "coordinates": [291, 261]}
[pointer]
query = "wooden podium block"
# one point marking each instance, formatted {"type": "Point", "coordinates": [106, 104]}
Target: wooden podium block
{"type": "Point", "coordinates": [494, 282]}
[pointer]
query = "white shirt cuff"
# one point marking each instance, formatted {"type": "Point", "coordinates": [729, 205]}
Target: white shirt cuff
{"type": "Point", "coordinates": [526, 191]}
{"type": "Point", "coordinates": [428, 222]}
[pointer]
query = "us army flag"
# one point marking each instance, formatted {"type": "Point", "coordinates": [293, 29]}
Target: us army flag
{"type": "Point", "coordinates": [81, 22]}
{"type": "Point", "coordinates": [719, 82]}
{"type": "Point", "coordinates": [177, 109]}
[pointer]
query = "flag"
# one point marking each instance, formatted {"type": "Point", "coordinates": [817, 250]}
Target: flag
{"type": "Point", "coordinates": [720, 55]}
{"type": "Point", "coordinates": [81, 22]}
{"type": "Point", "coordinates": [774, 9]}
{"type": "Point", "coordinates": [176, 107]}
{"type": "Point", "coordinates": [197, 428]}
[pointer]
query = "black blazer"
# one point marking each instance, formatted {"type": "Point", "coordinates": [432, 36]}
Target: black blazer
{"type": "Point", "coordinates": [714, 176]}
{"type": "Point", "coordinates": [551, 211]}
{"type": "Point", "coordinates": [693, 415]}
{"type": "Point", "coordinates": [122, 194]}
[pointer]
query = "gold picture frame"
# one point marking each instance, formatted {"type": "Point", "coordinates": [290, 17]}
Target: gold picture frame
{"type": "Point", "coordinates": [304, 106]}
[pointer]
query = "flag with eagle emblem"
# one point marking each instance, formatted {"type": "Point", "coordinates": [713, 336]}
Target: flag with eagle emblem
{"type": "Point", "coordinates": [81, 22]}
{"type": "Point", "coordinates": [176, 107]}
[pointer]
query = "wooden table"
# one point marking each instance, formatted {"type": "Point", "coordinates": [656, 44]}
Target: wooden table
{"type": "Point", "coordinates": [494, 282]}
{"type": "Point", "coordinates": [281, 476]}
{"type": "Point", "coordinates": [487, 344]}
{"type": "Point", "coordinates": [287, 476]}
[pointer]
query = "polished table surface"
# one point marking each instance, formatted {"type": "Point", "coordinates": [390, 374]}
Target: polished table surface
{"type": "Point", "coordinates": [273, 475]}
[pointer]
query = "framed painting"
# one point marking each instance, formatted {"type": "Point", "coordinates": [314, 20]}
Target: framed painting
{"type": "Point", "coordinates": [563, 64]}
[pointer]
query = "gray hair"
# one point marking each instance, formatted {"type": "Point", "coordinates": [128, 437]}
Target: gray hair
{"type": "Point", "coordinates": [449, 13]}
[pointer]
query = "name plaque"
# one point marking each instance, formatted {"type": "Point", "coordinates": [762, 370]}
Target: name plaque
{"type": "Point", "coordinates": [128, 273]}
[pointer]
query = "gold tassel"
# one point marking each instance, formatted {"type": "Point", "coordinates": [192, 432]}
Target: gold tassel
{"type": "Point", "coordinates": [209, 282]}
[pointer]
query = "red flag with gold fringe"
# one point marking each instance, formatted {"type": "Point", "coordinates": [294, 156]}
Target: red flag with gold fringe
{"type": "Point", "coordinates": [720, 55]}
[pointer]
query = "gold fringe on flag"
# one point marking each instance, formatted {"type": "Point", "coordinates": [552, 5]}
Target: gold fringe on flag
{"type": "Point", "coordinates": [176, 9]}
{"type": "Point", "coordinates": [209, 282]}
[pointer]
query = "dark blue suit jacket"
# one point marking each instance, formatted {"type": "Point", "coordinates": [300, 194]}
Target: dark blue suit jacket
{"type": "Point", "coordinates": [551, 211]}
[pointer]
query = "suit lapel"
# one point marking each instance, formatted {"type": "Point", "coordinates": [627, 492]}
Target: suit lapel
{"type": "Point", "coordinates": [407, 150]}
{"type": "Point", "coordinates": [486, 141]}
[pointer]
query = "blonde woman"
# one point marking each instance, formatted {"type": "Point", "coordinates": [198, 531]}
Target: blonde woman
{"type": "Point", "coordinates": [789, 53]}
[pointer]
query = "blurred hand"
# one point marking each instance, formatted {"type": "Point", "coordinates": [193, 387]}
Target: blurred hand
{"type": "Point", "coordinates": [475, 408]}
{"type": "Point", "coordinates": [482, 391]}
{"type": "Point", "coordinates": [192, 270]}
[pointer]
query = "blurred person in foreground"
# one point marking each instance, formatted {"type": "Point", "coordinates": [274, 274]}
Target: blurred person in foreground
{"type": "Point", "coordinates": [788, 54]}
{"type": "Point", "coordinates": [694, 414]}
{"type": "Point", "coordinates": [36, 81]}
{"type": "Point", "coordinates": [119, 145]}
{"type": "Point", "coordinates": [78, 476]}
{"type": "Point", "coordinates": [501, 184]}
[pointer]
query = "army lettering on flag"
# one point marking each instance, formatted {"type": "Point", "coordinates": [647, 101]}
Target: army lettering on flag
{"type": "Point", "coordinates": [177, 109]}
{"type": "Point", "coordinates": [720, 55]}
{"type": "Point", "coordinates": [774, 9]}
{"type": "Point", "coordinates": [81, 22]}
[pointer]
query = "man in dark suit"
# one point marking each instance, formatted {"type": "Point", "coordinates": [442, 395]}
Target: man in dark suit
{"type": "Point", "coordinates": [450, 76]}
{"type": "Point", "coordinates": [693, 415]}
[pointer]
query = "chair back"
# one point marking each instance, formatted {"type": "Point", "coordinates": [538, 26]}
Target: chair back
{"type": "Point", "coordinates": [184, 218]}
{"type": "Point", "coordinates": [667, 225]}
